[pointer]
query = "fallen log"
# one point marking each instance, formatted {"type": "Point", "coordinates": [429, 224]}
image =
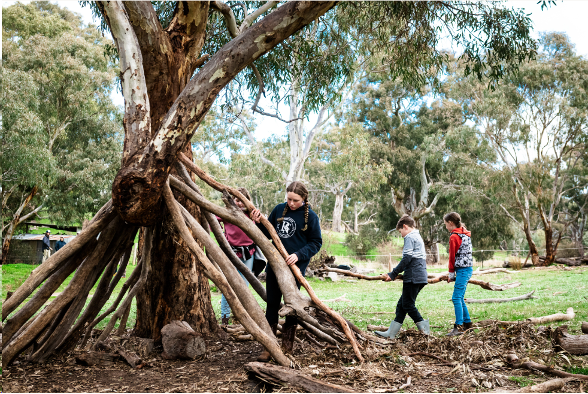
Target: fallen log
{"type": "Point", "coordinates": [585, 327]}
{"type": "Point", "coordinates": [569, 315]}
{"type": "Point", "coordinates": [497, 300]}
{"type": "Point", "coordinates": [573, 344]}
{"type": "Point", "coordinates": [288, 377]}
{"type": "Point", "coordinates": [130, 357]}
{"type": "Point", "coordinates": [545, 387]}
{"type": "Point", "coordinates": [181, 341]}
{"type": "Point", "coordinates": [96, 358]}
{"type": "Point", "coordinates": [514, 361]}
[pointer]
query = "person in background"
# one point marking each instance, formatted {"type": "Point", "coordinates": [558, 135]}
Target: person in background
{"type": "Point", "coordinates": [460, 270]}
{"type": "Point", "coordinates": [299, 230]}
{"type": "Point", "coordinates": [46, 246]}
{"type": "Point", "coordinates": [414, 266]}
{"type": "Point", "coordinates": [243, 247]}
{"type": "Point", "coordinates": [59, 244]}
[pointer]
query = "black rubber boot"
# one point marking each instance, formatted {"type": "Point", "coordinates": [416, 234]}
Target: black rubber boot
{"type": "Point", "coordinates": [457, 330]}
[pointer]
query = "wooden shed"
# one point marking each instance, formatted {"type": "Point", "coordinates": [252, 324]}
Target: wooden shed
{"type": "Point", "coordinates": [28, 248]}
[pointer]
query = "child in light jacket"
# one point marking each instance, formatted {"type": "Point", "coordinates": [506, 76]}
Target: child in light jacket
{"type": "Point", "coordinates": [414, 266]}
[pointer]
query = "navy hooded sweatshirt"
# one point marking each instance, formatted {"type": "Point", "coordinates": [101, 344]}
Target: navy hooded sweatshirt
{"type": "Point", "coordinates": [304, 243]}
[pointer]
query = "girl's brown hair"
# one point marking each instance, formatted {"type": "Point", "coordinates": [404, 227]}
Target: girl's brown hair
{"type": "Point", "coordinates": [298, 188]}
{"type": "Point", "coordinates": [245, 192]}
{"type": "Point", "coordinates": [405, 219]}
{"type": "Point", "coordinates": [454, 218]}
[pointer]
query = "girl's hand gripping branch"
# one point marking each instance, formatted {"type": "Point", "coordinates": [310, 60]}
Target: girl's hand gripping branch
{"type": "Point", "coordinates": [256, 215]}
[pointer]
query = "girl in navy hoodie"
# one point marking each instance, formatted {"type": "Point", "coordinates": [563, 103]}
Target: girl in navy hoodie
{"type": "Point", "coordinates": [460, 269]}
{"type": "Point", "coordinates": [299, 230]}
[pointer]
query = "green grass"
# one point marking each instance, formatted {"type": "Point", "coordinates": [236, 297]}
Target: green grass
{"type": "Point", "coordinates": [556, 291]}
{"type": "Point", "coordinates": [523, 381]}
{"type": "Point", "coordinates": [578, 370]}
{"type": "Point", "coordinates": [13, 275]}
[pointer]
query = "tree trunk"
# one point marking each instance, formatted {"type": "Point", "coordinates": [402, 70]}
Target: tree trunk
{"type": "Point", "coordinates": [337, 212]}
{"type": "Point", "coordinates": [532, 247]}
{"type": "Point", "coordinates": [176, 288]}
{"type": "Point", "coordinates": [15, 222]}
{"type": "Point", "coordinates": [573, 344]}
{"type": "Point", "coordinates": [432, 250]}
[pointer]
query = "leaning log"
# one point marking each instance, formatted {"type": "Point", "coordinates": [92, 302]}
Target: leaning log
{"type": "Point", "coordinates": [497, 300]}
{"type": "Point", "coordinates": [573, 344]}
{"type": "Point", "coordinates": [180, 341]}
{"type": "Point", "coordinates": [514, 361]}
{"type": "Point", "coordinates": [281, 376]}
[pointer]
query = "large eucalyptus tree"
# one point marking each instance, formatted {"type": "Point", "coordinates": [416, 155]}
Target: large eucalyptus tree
{"type": "Point", "coordinates": [175, 60]}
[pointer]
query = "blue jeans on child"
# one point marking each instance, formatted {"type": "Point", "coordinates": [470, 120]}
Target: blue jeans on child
{"type": "Point", "coordinates": [225, 308]}
{"type": "Point", "coordinates": [462, 275]}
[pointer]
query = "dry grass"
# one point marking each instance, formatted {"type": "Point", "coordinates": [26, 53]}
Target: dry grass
{"type": "Point", "coordinates": [515, 263]}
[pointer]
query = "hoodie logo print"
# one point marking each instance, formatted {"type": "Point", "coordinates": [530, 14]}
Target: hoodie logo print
{"type": "Point", "coordinates": [286, 228]}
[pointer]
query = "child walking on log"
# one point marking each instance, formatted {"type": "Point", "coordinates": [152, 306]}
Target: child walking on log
{"type": "Point", "coordinates": [243, 247]}
{"type": "Point", "coordinates": [299, 230]}
{"type": "Point", "coordinates": [460, 270]}
{"type": "Point", "coordinates": [414, 266]}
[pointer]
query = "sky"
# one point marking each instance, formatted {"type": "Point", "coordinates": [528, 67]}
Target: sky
{"type": "Point", "coordinates": [567, 16]}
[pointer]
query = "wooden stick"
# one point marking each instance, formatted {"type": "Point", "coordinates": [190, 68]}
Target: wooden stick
{"type": "Point", "coordinates": [437, 279]}
{"type": "Point", "coordinates": [278, 244]}
{"type": "Point", "coordinates": [497, 300]}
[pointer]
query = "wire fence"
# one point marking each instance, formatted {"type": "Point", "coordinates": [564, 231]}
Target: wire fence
{"type": "Point", "coordinates": [445, 254]}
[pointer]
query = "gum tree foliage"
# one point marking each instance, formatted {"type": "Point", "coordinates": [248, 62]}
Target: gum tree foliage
{"type": "Point", "coordinates": [65, 150]}
{"type": "Point", "coordinates": [537, 123]}
{"type": "Point", "coordinates": [175, 60]}
{"type": "Point", "coordinates": [341, 163]}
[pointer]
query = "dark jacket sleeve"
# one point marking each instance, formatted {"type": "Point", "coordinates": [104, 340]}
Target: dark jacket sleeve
{"type": "Point", "coordinates": [46, 242]}
{"type": "Point", "coordinates": [406, 259]}
{"type": "Point", "coordinates": [314, 240]}
{"type": "Point", "coordinates": [272, 219]}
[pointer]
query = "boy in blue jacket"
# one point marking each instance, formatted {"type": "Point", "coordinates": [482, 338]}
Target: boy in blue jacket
{"type": "Point", "coordinates": [414, 266]}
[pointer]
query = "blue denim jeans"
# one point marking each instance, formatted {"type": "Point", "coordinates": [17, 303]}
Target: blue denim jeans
{"type": "Point", "coordinates": [225, 308]}
{"type": "Point", "coordinates": [462, 275]}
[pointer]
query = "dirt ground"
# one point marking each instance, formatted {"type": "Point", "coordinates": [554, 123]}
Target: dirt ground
{"type": "Point", "coordinates": [475, 362]}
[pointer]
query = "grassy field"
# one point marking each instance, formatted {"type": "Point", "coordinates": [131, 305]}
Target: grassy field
{"type": "Point", "coordinates": [372, 301]}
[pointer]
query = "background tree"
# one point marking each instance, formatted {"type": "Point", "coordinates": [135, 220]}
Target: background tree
{"type": "Point", "coordinates": [343, 162]}
{"type": "Point", "coordinates": [58, 73]}
{"type": "Point", "coordinates": [165, 102]}
{"type": "Point", "coordinates": [541, 113]}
